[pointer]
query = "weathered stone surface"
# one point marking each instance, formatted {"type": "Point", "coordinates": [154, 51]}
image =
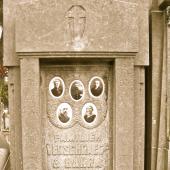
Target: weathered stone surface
{"type": "Point", "coordinates": [42, 26]}
{"type": "Point", "coordinates": [15, 119]}
{"type": "Point", "coordinates": [168, 91]}
{"type": "Point", "coordinates": [76, 144]}
{"type": "Point", "coordinates": [49, 32]}
{"type": "Point", "coordinates": [60, 27]}
{"type": "Point", "coordinates": [159, 93]}
{"type": "Point", "coordinates": [139, 118]}
{"type": "Point", "coordinates": [168, 80]}
{"type": "Point", "coordinates": [157, 35]}
{"type": "Point", "coordinates": [9, 13]}
{"type": "Point", "coordinates": [143, 12]}
{"type": "Point", "coordinates": [124, 114]}
{"type": "Point", "coordinates": [31, 116]}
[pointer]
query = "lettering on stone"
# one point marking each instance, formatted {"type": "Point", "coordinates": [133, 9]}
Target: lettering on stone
{"type": "Point", "coordinates": [81, 151]}
{"type": "Point", "coordinates": [77, 130]}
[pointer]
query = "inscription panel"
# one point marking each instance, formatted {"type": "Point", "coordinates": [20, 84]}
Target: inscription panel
{"type": "Point", "coordinates": [78, 148]}
{"type": "Point", "coordinates": [82, 142]}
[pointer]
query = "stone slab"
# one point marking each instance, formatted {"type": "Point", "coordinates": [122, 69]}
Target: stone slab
{"type": "Point", "coordinates": [105, 30]}
{"type": "Point", "coordinates": [77, 25]}
{"type": "Point", "coordinates": [76, 144]}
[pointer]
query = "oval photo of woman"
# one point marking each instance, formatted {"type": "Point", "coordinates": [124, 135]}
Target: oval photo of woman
{"type": "Point", "coordinates": [96, 86]}
{"type": "Point", "coordinates": [76, 90]}
{"type": "Point", "coordinates": [64, 113]}
{"type": "Point", "coordinates": [89, 112]}
{"type": "Point", "coordinates": [56, 87]}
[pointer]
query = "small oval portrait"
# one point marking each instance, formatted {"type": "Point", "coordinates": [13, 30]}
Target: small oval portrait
{"type": "Point", "coordinates": [89, 112]}
{"type": "Point", "coordinates": [96, 86]}
{"type": "Point", "coordinates": [64, 113]}
{"type": "Point", "coordinates": [56, 87]}
{"type": "Point", "coordinates": [76, 90]}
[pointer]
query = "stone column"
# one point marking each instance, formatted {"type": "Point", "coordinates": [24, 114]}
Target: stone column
{"type": "Point", "coordinates": [124, 113]}
{"type": "Point", "coordinates": [159, 92]}
{"type": "Point", "coordinates": [161, 162]}
{"type": "Point", "coordinates": [30, 112]}
{"type": "Point", "coordinates": [15, 118]}
{"type": "Point", "coordinates": [155, 91]}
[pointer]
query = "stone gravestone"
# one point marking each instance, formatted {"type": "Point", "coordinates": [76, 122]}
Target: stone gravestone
{"type": "Point", "coordinates": [76, 69]}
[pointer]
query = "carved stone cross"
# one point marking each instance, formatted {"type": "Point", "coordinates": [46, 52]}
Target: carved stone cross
{"type": "Point", "coordinates": [77, 21]}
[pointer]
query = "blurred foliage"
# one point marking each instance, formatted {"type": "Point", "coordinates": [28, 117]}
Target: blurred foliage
{"type": "Point", "coordinates": [3, 85]}
{"type": "Point", "coordinates": [3, 72]}
{"type": "Point", "coordinates": [3, 92]}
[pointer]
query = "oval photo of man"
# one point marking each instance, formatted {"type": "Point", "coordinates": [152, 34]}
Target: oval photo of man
{"type": "Point", "coordinates": [64, 113]}
{"type": "Point", "coordinates": [96, 86]}
{"type": "Point", "coordinates": [76, 90]}
{"type": "Point", "coordinates": [89, 112]}
{"type": "Point", "coordinates": [56, 87]}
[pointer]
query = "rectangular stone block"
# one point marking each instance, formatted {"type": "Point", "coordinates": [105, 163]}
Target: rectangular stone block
{"type": "Point", "coordinates": [124, 114]}
{"type": "Point", "coordinates": [15, 119]}
{"type": "Point", "coordinates": [45, 27]}
{"type": "Point", "coordinates": [76, 142]}
{"type": "Point", "coordinates": [30, 114]}
{"type": "Point", "coordinates": [77, 26]}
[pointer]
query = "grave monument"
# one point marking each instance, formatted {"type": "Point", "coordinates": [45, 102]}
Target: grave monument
{"type": "Point", "coordinates": [76, 83]}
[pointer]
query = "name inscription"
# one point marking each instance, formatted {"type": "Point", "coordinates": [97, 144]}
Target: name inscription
{"type": "Point", "coordinates": [77, 151]}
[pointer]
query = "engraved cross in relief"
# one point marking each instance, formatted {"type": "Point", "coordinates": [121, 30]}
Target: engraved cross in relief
{"type": "Point", "coordinates": [76, 17]}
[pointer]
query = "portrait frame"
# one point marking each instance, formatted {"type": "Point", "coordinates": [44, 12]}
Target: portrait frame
{"type": "Point", "coordinates": [51, 87]}
{"type": "Point", "coordinates": [89, 120]}
{"type": "Point", "coordinates": [64, 113]}
{"type": "Point", "coordinates": [83, 90]}
{"type": "Point", "coordinates": [92, 82]}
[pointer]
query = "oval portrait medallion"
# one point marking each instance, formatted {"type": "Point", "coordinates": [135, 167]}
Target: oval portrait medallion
{"type": "Point", "coordinates": [76, 90]}
{"type": "Point", "coordinates": [64, 113]}
{"type": "Point", "coordinates": [96, 86]}
{"type": "Point", "coordinates": [89, 113]}
{"type": "Point", "coordinates": [56, 87]}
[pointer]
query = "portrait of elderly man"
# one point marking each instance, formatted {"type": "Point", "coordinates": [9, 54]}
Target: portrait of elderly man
{"type": "Point", "coordinates": [57, 90]}
{"type": "Point", "coordinates": [63, 115]}
{"type": "Point", "coordinates": [89, 115]}
{"type": "Point", "coordinates": [96, 87]}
